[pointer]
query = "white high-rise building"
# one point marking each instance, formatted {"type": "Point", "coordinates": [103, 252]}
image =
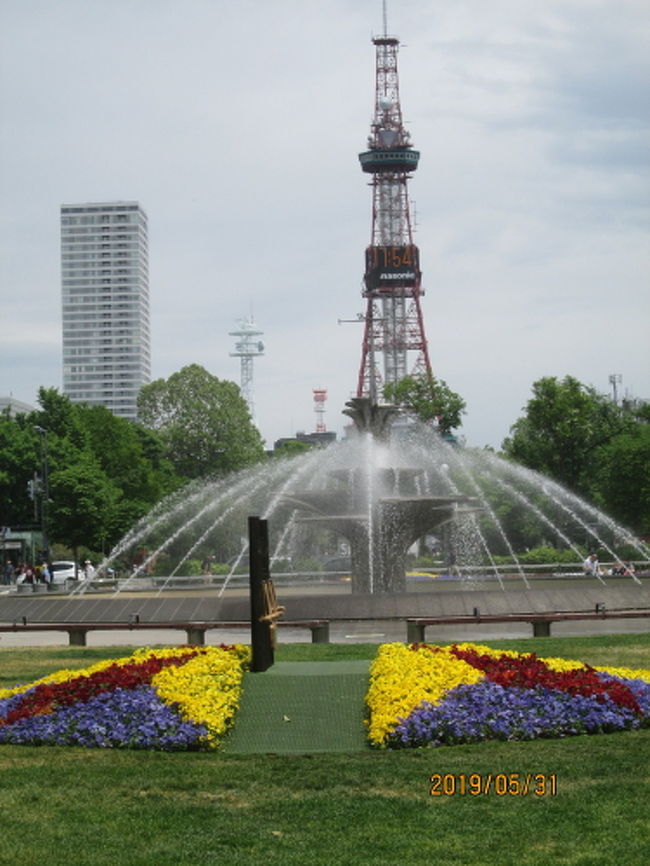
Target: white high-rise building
{"type": "Point", "coordinates": [105, 298]}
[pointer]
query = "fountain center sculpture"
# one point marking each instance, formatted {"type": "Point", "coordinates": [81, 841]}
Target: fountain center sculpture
{"type": "Point", "coordinates": [378, 509]}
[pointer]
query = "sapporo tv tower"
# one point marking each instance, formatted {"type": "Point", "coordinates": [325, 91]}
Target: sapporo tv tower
{"type": "Point", "coordinates": [394, 327]}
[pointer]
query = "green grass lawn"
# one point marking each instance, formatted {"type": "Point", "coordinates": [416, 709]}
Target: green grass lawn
{"type": "Point", "coordinates": [65, 805]}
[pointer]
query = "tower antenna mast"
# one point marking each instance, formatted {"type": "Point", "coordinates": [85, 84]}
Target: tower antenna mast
{"type": "Point", "coordinates": [394, 327]}
{"type": "Point", "coordinates": [247, 348]}
{"type": "Point", "coordinates": [320, 398]}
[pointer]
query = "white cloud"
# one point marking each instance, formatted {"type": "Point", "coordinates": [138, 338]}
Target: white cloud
{"type": "Point", "coordinates": [237, 126]}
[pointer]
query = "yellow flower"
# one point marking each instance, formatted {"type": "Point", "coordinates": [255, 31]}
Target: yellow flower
{"type": "Point", "coordinates": [207, 688]}
{"type": "Point", "coordinates": [401, 678]}
{"type": "Point", "coordinates": [67, 674]}
{"type": "Point", "coordinates": [627, 673]}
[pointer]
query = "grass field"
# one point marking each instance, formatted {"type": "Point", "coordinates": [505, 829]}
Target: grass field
{"type": "Point", "coordinates": [64, 805]}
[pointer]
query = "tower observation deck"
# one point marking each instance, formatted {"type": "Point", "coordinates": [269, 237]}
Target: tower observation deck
{"type": "Point", "coordinates": [394, 328]}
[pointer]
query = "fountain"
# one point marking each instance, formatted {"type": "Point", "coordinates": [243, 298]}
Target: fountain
{"type": "Point", "coordinates": [391, 483]}
{"type": "Point", "coordinates": [377, 508]}
{"type": "Point", "coordinates": [381, 489]}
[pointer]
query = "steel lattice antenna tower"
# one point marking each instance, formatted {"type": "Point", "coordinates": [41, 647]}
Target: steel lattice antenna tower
{"type": "Point", "coordinates": [247, 348]}
{"type": "Point", "coordinates": [320, 398]}
{"type": "Point", "coordinates": [394, 327]}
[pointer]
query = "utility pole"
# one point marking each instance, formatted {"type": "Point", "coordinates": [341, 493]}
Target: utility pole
{"type": "Point", "coordinates": [44, 492]}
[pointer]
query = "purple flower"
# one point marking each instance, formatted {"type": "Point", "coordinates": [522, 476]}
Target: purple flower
{"type": "Point", "coordinates": [133, 718]}
{"type": "Point", "coordinates": [488, 711]}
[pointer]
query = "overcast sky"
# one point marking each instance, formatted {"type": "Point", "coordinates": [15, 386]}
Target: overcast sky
{"type": "Point", "coordinates": [237, 126]}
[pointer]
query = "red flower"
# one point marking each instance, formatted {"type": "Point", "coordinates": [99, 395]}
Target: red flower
{"type": "Point", "coordinates": [48, 696]}
{"type": "Point", "coordinates": [529, 671]}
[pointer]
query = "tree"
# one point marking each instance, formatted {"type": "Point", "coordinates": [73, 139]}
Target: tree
{"type": "Point", "coordinates": [60, 417]}
{"type": "Point", "coordinates": [427, 398]}
{"type": "Point", "coordinates": [105, 472]}
{"type": "Point", "coordinates": [203, 421]}
{"type": "Point", "coordinates": [621, 480]}
{"type": "Point", "coordinates": [19, 460]}
{"type": "Point", "coordinates": [83, 507]}
{"type": "Point", "coordinates": [132, 458]}
{"type": "Point", "coordinates": [565, 424]}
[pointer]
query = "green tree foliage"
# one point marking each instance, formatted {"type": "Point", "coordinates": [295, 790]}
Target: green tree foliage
{"type": "Point", "coordinates": [132, 458]}
{"type": "Point", "coordinates": [105, 472]}
{"type": "Point", "coordinates": [19, 459]}
{"type": "Point", "coordinates": [564, 425]}
{"type": "Point", "coordinates": [621, 479]}
{"type": "Point", "coordinates": [84, 504]}
{"type": "Point", "coordinates": [61, 418]}
{"type": "Point", "coordinates": [428, 399]}
{"type": "Point", "coordinates": [597, 449]}
{"type": "Point", "coordinates": [203, 421]}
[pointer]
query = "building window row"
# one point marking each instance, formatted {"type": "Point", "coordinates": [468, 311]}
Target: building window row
{"type": "Point", "coordinates": [133, 250]}
{"type": "Point", "coordinates": [95, 235]}
{"type": "Point", "coordinates": [85, 331]}
{"type": "Point", "coordinates": [103, 219]}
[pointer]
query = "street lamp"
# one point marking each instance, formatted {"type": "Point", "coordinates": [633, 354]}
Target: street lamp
{"type": "Point", "coordinates": [45, 491]}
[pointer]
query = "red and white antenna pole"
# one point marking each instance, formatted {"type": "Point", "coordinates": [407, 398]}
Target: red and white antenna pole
{"type": "Point", "coordinates": [320, 398]}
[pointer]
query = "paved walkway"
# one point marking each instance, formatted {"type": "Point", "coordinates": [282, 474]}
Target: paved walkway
{"type": "Point", "coordinates": [302, 708]}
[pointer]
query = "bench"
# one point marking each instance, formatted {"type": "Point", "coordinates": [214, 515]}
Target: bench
{"type": "Point", "coordinates": [195, 631]}
{"type": "Point", "coordinates": [182, 582]}
{"type": "Point", "coordinates": [103, 583]}
{"type": "Point", "coordinates": [541, 622]}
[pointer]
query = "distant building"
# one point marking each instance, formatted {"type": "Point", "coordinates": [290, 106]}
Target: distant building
{"type": "Point", "coordinates": [14, 406]}
{"type": "Point", "coordinates": [105, 304]}
{"type": "Point", "coordinates": [318, 440]}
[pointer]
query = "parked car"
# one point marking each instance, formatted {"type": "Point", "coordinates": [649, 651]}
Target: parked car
{"type": "Point", "coordinates": [60, 572]}
{"type": "Point", "coordinates": [64, 569]}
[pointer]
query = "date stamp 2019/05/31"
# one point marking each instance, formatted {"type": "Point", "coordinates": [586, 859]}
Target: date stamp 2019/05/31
{"type": "Point", "coordinates": [500, 784]}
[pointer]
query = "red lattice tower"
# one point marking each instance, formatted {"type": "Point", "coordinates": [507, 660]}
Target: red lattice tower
{"type": "Point", "coordinates": [394, 341]}
{"type": "Point", "coordinates": [320, 397]}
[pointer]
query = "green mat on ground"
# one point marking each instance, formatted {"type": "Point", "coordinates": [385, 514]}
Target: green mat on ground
{"type": "Point", "coordinates": [302, 707]}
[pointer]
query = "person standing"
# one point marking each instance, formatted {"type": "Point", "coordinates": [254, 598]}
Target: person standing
{"type": "Point", "coordinates": [8, 573]}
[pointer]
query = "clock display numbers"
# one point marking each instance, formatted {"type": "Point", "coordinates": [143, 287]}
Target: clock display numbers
{"type": "Point", "coordinates": [392, 267]}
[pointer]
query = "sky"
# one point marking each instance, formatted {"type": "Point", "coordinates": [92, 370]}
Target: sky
{"type": "Point", "coordinates": [237, 126]}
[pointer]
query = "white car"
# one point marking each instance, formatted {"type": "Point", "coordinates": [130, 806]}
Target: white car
{"type": "Point", "coordinates": [61, 571]}
{"type": "Point", "coordinates": [65, 570]}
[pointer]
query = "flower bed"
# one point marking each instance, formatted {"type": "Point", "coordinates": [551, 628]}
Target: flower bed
{"type": "Point", "coordinates": [170, 699]}
{"type": "Point", "coordinates": [427, 695]}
